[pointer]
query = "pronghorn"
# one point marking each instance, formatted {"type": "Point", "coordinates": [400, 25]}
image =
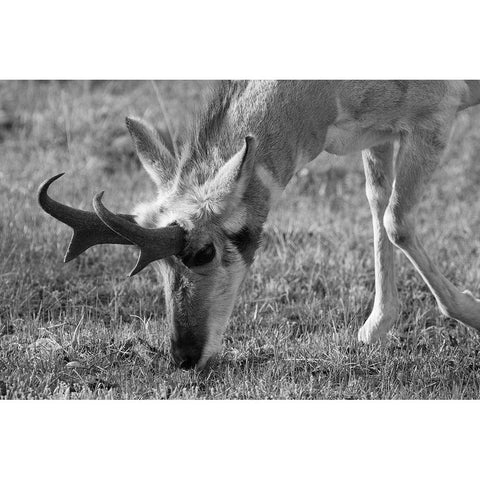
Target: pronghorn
{"type": "Point", "coordinates": [206, 222]}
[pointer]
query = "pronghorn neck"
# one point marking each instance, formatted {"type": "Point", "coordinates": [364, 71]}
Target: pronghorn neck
{"type": "Point", "coordinates": [289, 120]}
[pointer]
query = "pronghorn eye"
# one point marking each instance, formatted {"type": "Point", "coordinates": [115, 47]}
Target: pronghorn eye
{"type": "Point", "coordinates": [204, 256]}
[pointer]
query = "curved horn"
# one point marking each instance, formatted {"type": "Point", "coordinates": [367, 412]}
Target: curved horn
{"type": "Point", "coordinates": [88, 229]}
{"type": "Point", "coordinates": [154, 243]}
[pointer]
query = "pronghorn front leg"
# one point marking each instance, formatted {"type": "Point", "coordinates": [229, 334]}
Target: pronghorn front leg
{"type": "Point", "coordinates": [419, 153]}
{"type": "Point", "coordinates": [378, 165]}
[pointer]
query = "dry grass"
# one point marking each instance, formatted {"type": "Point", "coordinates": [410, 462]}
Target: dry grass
{"type": "Point", "coordinates": [293, 331]}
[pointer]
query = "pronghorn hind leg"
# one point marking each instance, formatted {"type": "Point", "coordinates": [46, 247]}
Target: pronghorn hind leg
{"type": "Point", "coordinates": [419, 154]}
{"type": "Point", "coordinates": [378, 166]}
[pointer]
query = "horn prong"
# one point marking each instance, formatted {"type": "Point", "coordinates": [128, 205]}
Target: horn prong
{"type": "Point", "coordinates": [112, 221]}
{"type": "Point", "coordinates": [79, 242]}
{"type": "Point", "coordinates": [104, 226]}
{"type": "Point", "coordinates": [154, 243]}
{"type": "Point", "coordinates": [143, 260]}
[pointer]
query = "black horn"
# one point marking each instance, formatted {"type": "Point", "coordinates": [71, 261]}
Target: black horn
{"type": "Point", "coordinates": [154, 243]}
{"type": "Point", "coordinates": [88, 229]}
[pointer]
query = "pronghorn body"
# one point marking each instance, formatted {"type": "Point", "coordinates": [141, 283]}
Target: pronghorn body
{"type": "Point", "coordinates": [243, 151]}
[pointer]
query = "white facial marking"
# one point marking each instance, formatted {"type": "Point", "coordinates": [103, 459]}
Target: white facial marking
{"type": "Point", "coordinates": [303, 159]}
{"type": "Point", "coordinates": [236, 221]}
{"type": "Point", "coordinates": [146, 214]}
{"type": "Point", "coordinates": [221, 307]}
{"type": "Point", "coordinates": [269, 182]}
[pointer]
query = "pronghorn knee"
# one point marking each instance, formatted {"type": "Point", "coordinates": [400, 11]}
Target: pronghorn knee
{"type": "Point", "coordinates": [398, 228]}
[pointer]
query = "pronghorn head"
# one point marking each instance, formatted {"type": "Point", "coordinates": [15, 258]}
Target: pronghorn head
{"type": "Point", "coordinates": [204, 195]}
{"type": "Point", "coordinates": [201, 227]}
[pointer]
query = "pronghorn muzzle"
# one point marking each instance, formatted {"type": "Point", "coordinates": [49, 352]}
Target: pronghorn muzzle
{"type": "Point", "coordinates": [105, 227]}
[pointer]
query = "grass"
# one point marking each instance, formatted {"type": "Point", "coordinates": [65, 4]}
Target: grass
{"type": "Point", "coordinates": [293, 331]}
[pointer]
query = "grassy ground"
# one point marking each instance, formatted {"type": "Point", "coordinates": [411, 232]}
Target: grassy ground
{"type": "Point", "coordinates": [84, 330]}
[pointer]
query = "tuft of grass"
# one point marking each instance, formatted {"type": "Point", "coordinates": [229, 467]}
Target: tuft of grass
{"type": "Point", "coordinates": [83, 330]}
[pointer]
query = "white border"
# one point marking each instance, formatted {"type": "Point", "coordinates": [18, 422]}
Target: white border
{"type": "Point", "coordinates": [248, 39]}
{"type": "Point", "coordinates": [243, 439]}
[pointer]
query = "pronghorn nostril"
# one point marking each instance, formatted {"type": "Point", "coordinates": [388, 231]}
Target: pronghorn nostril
{"type": "Point", "coordinates": [187, 363]}
{"type": "Point", "coordinates": [186, 356]}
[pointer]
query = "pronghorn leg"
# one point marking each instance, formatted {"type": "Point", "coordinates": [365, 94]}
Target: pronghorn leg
{"type": "Point", "coordinates": [419, 153]}
{"type": "Point", "coordinates": [378, 165]}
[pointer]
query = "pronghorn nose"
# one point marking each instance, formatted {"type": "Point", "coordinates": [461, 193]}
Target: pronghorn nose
{"type": "Point", "coordinates": [188, 363]}
{"type": "Point", "coordinates": [186, 355]}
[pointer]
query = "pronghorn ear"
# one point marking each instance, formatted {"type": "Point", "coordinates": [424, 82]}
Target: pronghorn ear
{"type": "Point", "coordinates": [154, 155]}
{"type": "Point", "coordinates": [233, 177]}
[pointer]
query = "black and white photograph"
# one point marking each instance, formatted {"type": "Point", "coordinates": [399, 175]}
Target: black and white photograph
{"type": "Point", "coordinates": [238, 247]}
{"type": "Point", "coordinates": [245, 265]}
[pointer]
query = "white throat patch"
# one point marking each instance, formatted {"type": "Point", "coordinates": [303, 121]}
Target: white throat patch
{"type": "Point", "coordinates": [270, 183]}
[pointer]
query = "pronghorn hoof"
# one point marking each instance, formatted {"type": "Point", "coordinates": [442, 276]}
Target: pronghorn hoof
{"type": "Point", "coordinates": [368, 336]}
{"type": "Point", "coordinates": [376, 327]}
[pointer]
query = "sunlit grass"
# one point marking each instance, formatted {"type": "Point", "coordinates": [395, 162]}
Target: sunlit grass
{"type": "Point", "coordinates": [293, 332]}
